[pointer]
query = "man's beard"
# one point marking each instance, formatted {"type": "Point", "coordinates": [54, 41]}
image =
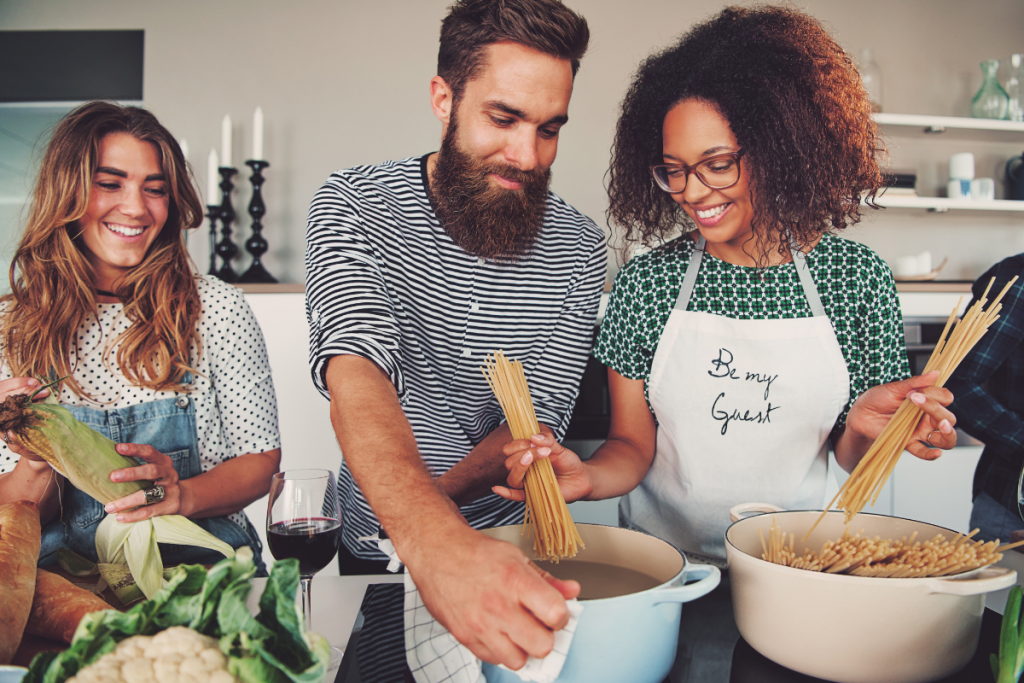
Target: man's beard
{"type": "Point", "coordinates": [484, 219]}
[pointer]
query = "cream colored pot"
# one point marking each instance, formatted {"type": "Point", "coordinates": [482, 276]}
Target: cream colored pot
{"type": "Point", "coordinates": [853, 629]}
{"type": "Point", "coordinates": [633, 590]}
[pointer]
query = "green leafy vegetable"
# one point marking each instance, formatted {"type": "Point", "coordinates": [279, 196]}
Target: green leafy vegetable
{"type": "Point", "coordinates": [1007, 667]}
{"type": "Point", "coordinates": [268, 648]}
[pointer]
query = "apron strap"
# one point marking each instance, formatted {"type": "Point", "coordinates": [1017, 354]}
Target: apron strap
{"type": "Point", "coordinates": [810, 289]}
{"type": "Point", "coordinates": [799, 260]}
{"type": "Point", "coordinates": [690, 278]}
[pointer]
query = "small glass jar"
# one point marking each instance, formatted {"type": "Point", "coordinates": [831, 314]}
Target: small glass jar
{"type": "Point", "coordinates": [991, 101]}
{"type": "Point", "coordinates": [1015, 88]}
{"type": "Point", "coordinates": [871, 75]}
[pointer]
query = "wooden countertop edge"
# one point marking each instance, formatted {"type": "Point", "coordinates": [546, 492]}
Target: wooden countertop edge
{"type": "Point", "coordinates": [276, 288]}
{"type": "Point", "coordinates": [299, 288]}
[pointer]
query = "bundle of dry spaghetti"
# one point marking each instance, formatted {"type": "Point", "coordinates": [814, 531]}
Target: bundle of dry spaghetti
{"type": "Point", "coordinates": [904, 559]}
{"type": "Point", "coordinates": [957, 339]}
{"type": "Point", "coordinates": [555, 534]}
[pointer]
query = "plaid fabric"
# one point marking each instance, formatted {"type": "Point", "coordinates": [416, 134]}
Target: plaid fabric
{"type": "Point", "coordinates": [988, 388]}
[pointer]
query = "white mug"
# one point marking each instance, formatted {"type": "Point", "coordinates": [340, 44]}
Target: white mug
{"type": "Point", "coordinates": [958, 189]}
{"type": "Point", "coordinates": [907, 266]}
{"type": "Point", "coordinates": [983, 189]}
{"type": "Point", "coordinates": [961, 166]}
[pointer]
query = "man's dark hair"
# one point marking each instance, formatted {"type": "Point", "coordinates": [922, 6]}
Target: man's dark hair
{"type": "Point", "coordinates": [547, 26]}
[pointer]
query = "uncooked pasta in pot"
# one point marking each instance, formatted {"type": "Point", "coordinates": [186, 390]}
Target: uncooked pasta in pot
{"type": "Point", "coordinates": [859, 555]}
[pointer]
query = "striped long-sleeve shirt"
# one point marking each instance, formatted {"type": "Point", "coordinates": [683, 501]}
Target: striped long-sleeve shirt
{"type": "Point", "coordinates": [385, 282]}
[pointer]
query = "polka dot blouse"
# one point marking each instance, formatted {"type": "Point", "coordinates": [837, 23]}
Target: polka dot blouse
{"type": "Point", "coordinates": [855, 285]}
{"type": "Point", "coordinates": [235, 405]}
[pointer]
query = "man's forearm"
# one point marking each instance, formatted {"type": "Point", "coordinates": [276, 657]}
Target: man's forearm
{"type": "Point", "coordinates": [378, 444]}
{"type": "Point", "coordinates": [484, 467]}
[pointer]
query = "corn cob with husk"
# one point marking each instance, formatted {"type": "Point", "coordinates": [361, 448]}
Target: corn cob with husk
{"type": "Point", "coordinates": [86, 458]}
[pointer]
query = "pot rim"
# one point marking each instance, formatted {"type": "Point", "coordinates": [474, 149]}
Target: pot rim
{"type": "Point", "coordinates": [673, 582]}
{"type": "Point", "coordinates": [850, 578]}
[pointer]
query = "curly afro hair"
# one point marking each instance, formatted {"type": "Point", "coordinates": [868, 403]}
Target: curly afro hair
{"type": "Point", "coordinates": [796, 104]}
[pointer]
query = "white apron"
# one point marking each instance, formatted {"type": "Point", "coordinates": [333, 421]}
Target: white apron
{"type": "Point", "coordinates": [744, 411]}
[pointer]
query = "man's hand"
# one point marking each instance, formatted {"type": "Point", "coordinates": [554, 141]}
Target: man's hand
{"type": "Point", "coordinates": [491, 597]}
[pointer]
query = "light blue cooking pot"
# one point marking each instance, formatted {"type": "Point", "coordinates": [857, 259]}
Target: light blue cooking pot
{"type": "Point", "coordinates": [632, 637]}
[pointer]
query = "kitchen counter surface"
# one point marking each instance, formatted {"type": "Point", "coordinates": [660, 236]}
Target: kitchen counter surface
{"type": "Point", "coordinates": [710, 647]}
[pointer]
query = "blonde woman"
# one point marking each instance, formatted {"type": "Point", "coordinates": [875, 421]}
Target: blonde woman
{"type": "Point", "coordinates": [169, 364]}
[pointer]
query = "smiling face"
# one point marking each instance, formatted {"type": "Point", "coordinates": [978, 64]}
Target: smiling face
{"type": "Point", "coordinates": [491, 177]}
{"type": "Point", "coordinates": [693, 131]}
{"type": "Point", "coordinates": [511, 113]}
{"type": "Point", "coordinates": [128, 204]}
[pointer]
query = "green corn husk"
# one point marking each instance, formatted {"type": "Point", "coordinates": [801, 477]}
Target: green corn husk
{"type": "Point", "coordinates": [86, 458]}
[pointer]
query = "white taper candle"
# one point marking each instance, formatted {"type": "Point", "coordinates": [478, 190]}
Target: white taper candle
{"type": "Point", "coordinates": [212, 178]}
{"type": "Point", "coordinates": [225, 141]}
{"type": "Point", "coordinates": [257, 134]}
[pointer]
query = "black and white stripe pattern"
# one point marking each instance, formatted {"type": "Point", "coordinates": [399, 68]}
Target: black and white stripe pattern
{"type": "Point", "coordinates": [385, 282]}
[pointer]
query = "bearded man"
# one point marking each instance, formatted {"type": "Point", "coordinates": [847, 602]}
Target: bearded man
{"type": "Point", "coordinates": [416, 270]}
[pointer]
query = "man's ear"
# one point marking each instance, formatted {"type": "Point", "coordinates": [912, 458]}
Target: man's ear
{"type": "Point", "coordinates": [441, 99]}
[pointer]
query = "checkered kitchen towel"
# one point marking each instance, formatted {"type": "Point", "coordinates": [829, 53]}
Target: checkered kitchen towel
{"type": "Point", "coordinates": [434, 656]}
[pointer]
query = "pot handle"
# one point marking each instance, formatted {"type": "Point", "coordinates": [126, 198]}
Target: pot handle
{"type": "Point", "coordinates": [708, 577]}
{"type": "Point", "coordinates": [738, 512]}
{"type": "Point", "coordinates": [987, 580]}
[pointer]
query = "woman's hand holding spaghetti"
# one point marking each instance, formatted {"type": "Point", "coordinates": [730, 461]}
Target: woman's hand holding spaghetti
{"type": "Point", "coordinates": [570, 471]}
{"type": "Point", "coordinates": [872, 411]}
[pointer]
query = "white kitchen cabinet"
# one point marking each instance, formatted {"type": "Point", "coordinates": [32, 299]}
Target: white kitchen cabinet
{"type": "Point", "coordinates": [937, 491]}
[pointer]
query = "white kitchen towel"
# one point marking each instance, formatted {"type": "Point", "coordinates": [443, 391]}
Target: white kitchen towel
{"type": "Point", "coordinates": [434, 656]}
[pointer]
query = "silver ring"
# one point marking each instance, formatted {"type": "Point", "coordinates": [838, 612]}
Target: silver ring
{"type": "Point", "coordinates": [155, 494]}
{"type": "Point", "coordinates": [928, 439]}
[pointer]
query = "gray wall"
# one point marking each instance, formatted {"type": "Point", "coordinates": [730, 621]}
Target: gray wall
{"type": "Point", "coordinates": [344, 83]}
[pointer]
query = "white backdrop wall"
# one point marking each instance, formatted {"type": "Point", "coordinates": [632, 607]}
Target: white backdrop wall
{"type": "Point", "coordinates": [345, 83]}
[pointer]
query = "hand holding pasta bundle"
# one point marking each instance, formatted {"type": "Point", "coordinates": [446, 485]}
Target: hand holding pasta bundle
{"type": "Point", "coordinates": [957, 339]}
{"type": "Point", "coordinates": [556, 535]}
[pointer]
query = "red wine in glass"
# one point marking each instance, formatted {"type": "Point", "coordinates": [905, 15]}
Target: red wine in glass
{"type": "Point", "coordinates": [312, 541]}
{"type": "Point", "coordinates": [304, 522]}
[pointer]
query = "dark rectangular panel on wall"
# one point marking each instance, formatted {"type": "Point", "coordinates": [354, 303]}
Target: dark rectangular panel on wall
{"type": "Point", "coordinates": [57, 66]}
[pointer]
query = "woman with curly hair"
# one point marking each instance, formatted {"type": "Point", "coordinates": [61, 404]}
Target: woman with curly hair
{"type": "Point", "coordinates": [169, 364]}
{"type": "Point", "coordinates": [739, 349]}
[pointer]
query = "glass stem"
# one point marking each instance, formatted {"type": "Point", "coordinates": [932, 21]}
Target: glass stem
{"type": "Point", "coordinates": [307, 605]}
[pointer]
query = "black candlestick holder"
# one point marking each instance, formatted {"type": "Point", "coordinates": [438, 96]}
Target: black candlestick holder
{"type": "Point", "coordinates": [213, 213]}
{"type": "Point", "coordinates": [257, 245]}
{"type": "Point", "coordinates": [226, 249]}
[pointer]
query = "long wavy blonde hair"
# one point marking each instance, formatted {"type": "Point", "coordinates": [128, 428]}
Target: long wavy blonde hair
{"type": "Point", "coordinates": [52, 290]}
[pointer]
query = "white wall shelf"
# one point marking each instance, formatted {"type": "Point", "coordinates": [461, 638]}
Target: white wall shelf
{"type": "Point", "coordinates": [913, 125]}
{"type": "Point", "coordinates": [943, 204]}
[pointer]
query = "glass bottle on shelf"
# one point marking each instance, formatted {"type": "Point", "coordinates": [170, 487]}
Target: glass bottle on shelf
{"type": "Point", "coordinates": [1014, 89]}
{"type": "Point", "coordinates": [991, 101]}
{"type": "Point", "coordinates": [871, 75]}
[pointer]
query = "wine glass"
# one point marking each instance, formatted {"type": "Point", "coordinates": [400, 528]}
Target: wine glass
{"type": "Point", "coordinates": [304, 522]}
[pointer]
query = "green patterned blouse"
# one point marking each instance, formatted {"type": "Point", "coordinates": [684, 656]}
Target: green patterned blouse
{"type": "Point", "coordinates": [855, 285]}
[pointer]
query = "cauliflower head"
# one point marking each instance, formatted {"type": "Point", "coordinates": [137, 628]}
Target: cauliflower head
{"type": "Point", "coordinates": [176, 655]}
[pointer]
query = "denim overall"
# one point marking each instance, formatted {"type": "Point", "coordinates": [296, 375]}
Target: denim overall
{"type": "Point", "coordinates": [169, 426]}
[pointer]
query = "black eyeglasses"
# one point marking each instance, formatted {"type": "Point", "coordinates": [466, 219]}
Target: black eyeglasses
{"type": "Point", "coordinates": [718, 173]}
